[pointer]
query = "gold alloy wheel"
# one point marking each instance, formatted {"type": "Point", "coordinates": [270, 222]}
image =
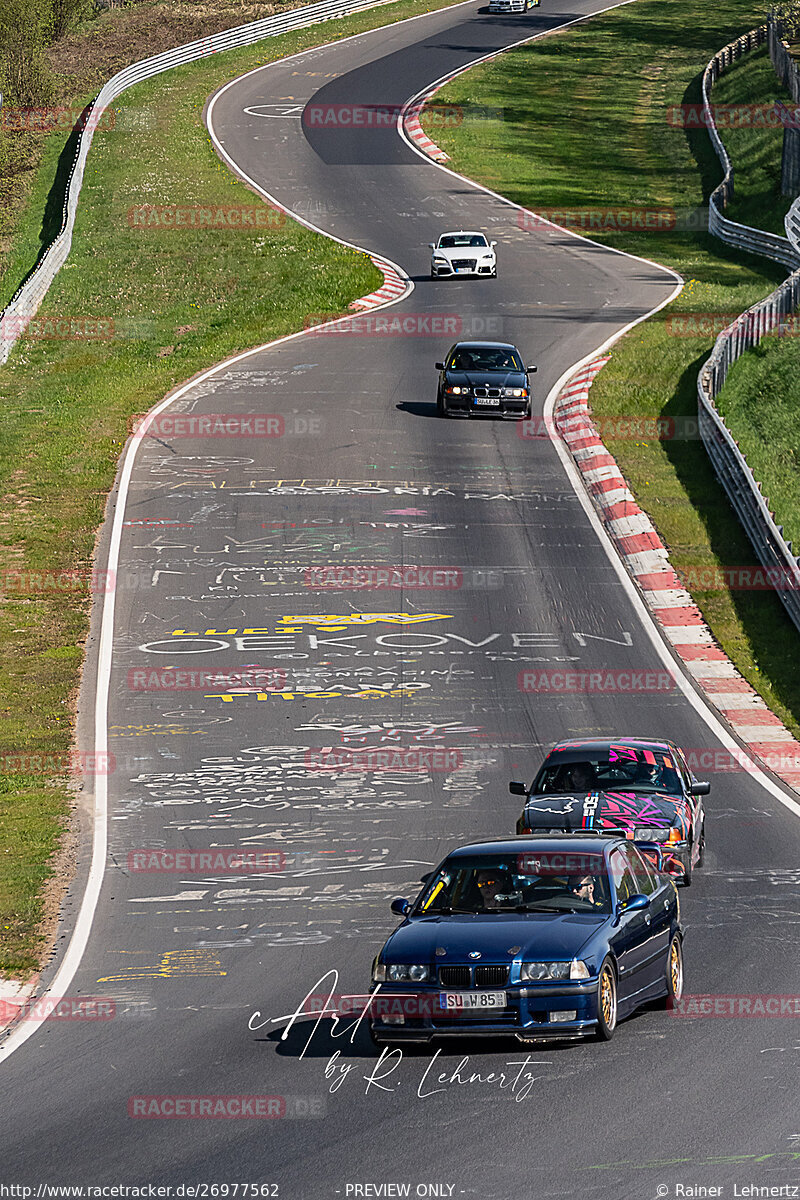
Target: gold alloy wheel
{"type": "Point", "coordinates": [608, 998]}
{"type": "Point", "coordinates": [676, 969]}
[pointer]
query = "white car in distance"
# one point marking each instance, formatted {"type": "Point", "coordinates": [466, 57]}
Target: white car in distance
{"type": "Point", "coordinates": [463, 253]}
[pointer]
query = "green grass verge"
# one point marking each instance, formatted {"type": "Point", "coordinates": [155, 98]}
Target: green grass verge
{"type": "Point", "coordinates": [181, 300]}
{"type": "Point", "coordinates": [761, 405]}
{"type": "Point", "coordinates": [576, 135]}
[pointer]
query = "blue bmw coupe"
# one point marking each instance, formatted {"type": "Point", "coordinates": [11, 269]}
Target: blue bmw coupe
{"type": "Point", "coordinates": [541, 937]}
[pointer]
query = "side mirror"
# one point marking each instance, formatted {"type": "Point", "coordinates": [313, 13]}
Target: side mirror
{"type": "Point", "coordinates": [700, 789]}
{"type": "Point", "coordinates": [492, 243]}
{"type": "Point", "coordinates": [636, 903]}
{"type": "Point", "coordinates": [400, 906]}
{"type": "Point", "coordinates": [532, 370]}
{"type": "Point", "coordinates": [431, 245]}
{"type": "Point", "coordinates": [518, 789]}
{"type": "Point", "coordinates": [439, 366]}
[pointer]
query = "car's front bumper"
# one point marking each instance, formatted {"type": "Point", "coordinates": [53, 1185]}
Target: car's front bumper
{"type": "Point", "coordinates": [465, 406]}
{"type": "Point", "coordinates": [527, 1016]}
{"type": "Point", "coordinates": [446, 270]}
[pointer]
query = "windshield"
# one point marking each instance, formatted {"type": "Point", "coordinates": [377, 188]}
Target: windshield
{"type": "Point", "coordinates": [627, 767]}
{"type": "Point", "coordinates": [450, 241]}
{"type": "Point", "coordinates": [485, 358]}
{"type": "Point", "coordinates": [541, 881]}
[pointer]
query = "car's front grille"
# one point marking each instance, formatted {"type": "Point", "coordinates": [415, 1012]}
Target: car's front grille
{"type": "Point", "coordinates": [485, 392]}
{"type": "Point", "coordinates": [464, 977]}
{"type": "Point", "coordinates": [455, 976]}
{"type": "Point", "coordinates": [464, 264]}
{"type": "Point", "coordinates": [491, 976]}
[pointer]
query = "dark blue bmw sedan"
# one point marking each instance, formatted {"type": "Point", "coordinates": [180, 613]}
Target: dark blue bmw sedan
{"type": "Point", "coordinates": [552, 936]}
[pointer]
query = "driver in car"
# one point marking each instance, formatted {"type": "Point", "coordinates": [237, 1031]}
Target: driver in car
{"type": "Point", "coordinates": [651, 775]}
{"type": "Point", "coordinates": [494, 888]}
{"type": "Point", "coordinates": [580, 777]}
{"type": "Point", "coordinates": [583, 887]}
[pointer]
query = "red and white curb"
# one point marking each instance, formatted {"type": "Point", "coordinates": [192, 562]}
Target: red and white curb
{"type": "Point", "coordinates": [392, 288]}
{"type": "Point", "coordinates": [647, 559]}
{"type": "Point", "coordinates": [418, 135]}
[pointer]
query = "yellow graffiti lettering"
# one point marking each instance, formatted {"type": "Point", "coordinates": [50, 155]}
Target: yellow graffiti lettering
{"type": "Point", "coordinates": [341, 622]}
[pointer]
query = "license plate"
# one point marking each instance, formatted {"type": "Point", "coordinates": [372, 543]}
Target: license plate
{"type": "Point", "coordinates": [463, 1001]}
{"type": "Point", "coordinates": [486, 400]}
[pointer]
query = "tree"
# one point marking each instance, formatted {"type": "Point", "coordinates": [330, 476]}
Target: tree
{"type": "Point", "coordinates": [62, 15]}
{"type": "Point", "coordinates": [24, 30]}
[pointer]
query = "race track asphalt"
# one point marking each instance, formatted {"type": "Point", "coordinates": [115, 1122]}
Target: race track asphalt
{"type": "Point", "coordinates": [221, 549]}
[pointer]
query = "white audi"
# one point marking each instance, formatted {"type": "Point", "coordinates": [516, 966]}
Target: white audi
{"type": "Point", "coordinates": [462, 253]}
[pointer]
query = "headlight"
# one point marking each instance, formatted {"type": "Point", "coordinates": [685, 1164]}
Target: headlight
{"type": "Point", "coordinates": [440, 261]}
{"type": "Point", "coordinates": [650, 835]}
{"type": "Point", "coordinates": [544, 970]}
{"type": "Point", "coordinates": [407, 972]}
{"type": "Point", "coordinates": [518, 393]}
{"type": "Point", "coordinates": [487, 254]}
{"type": "Point", "coordinates": [456, 391]}
{"type": "Point", "coordinates": [554, 970]}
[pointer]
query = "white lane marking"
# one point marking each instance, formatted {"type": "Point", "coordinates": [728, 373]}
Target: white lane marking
{"type": "Point", "coordinates": [697, 669]}
{"type": "Point", "coordinates": [571, 376]}
{"type": "Point", "coordinates": [83, 925]}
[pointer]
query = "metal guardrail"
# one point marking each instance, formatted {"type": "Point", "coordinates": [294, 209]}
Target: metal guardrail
{"type": "Point", "coordinates": [743, 237]}
{"type": "Point", "coordinates": [25, 303]}
{"type": "Point", "coordinates": [731, 467]}
{"type": "Point", "coordinates": [792, 223]}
